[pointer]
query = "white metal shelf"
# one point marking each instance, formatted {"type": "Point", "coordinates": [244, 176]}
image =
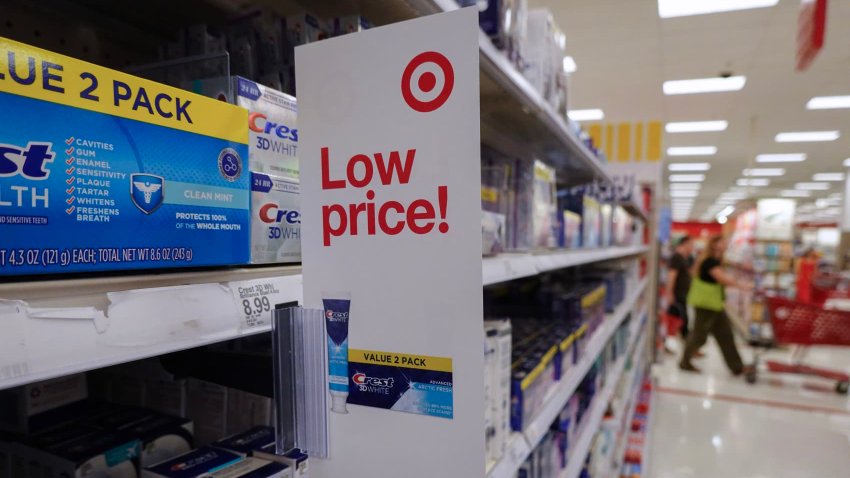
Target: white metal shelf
{"type": "Point", "coordinates": [593, 417]}
{"type": "Point", "coordinates": [57, 327]}
{"type": "Point", "coordinates": [625, 412]}
{"type": "Point", "coordinates": [521, 444]}
{"type": "Point", "coordinates": [506, 267]}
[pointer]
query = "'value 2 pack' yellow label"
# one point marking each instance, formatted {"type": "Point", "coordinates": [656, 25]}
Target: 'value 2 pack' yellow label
{"type": "Point", "coordinates": [100, 170]}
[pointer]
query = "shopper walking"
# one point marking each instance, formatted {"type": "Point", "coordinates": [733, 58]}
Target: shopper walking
{"type": "Point", "coordinates": [679, 281]}
{"type": "Point", "coordinates": [708, 299]}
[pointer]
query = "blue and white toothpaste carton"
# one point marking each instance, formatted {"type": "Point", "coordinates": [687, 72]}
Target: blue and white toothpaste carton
{"type": "Point", "coordinates": [275, 219]}
{"type": "Point", "coordinates": [245, 443]}
{"type": "Point", "coordinates": [100, 170]}
{"type": "Point", "coordinates": [208, 462]}
{"type": "Point", "coordinates": [273, 129]}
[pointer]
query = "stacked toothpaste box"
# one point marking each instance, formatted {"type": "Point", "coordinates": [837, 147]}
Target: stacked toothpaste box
{"type": "Point", "coordinates": [273, 160]}
{"type": "Point", "coordinates": [247, 454]}
{"type": "Point", "coordinates": [56, 429]}
{"type": "Point", "coordinates": [137, 194]}
{"type": "Point", "coordinates": [107, 186]}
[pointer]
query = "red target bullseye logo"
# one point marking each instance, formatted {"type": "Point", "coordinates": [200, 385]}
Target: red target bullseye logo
{"type": "Point", "coordinates": [427, 81]}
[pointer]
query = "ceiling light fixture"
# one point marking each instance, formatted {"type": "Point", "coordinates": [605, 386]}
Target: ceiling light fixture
{"type": "Point", "coordinates": [686, 178]}
{"type": "Point", "coordinates": [684, 194]}
{"type": "Point", "coordinates": [828, 177]}
{"type": "Point", "coordinates": [764, 172]}
{"type": "Point", "coordinates": [586, 115]}
{"type": "Point", "coordinates": [828, 102]}
{"type": "Point", "coordinates": [695, 126]}
{"type": "Point", "coordinates": [685, 186]}
{"type": "Point", "coordinates": [692, 150]}
{"type": "Point", "coordinates": [569, 65]}
{"type": "Point", "coordinates": [757, 182]}
{"type": "Point", "coordinates": [846, 163]}
{"type": "Point", "coordinates": [791, 193]}
{"type": "Point", "coordinates": [807, 136]}
{"type": "Point", "coordinates": [727, 211]}
{"type": "Point", "coordinates": [781, 158]}
{"type": "Point", "coordinates": [688, 167]}
{"type": "Point", "coordinates": [704, 85]}
{"type": "Point", "coordinates": [812, 186]}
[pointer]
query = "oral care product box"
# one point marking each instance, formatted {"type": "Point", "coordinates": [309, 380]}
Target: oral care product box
{"type": "Point", "coordinates": [37, 405]}
{"type": "Point", "coordinates": [208, 462]}
{"type": "Point", "coordinates": [248, 441]}
{"type": "Point", "coordinates": [162, 437]}
{"type": "Point", "coordinates": [207, 407]}
{"type": "Point", "coordinates": [273, 129]}
{"type": "Point", "coordinates": [489, 392]}
{"type": "Point", "coordinates": [247, 410]}
{"type": "Point", "coordinates": [101, 170]}
{"type": "Point", "coordinates": [112, 454]}
{"type": "Point", "coordinates": [275, 220]}
{"type": "Point", "coordinates": [350, 24]}
{"type": "Point", "coordinates": [498, 337]}
{"type": "Point", "coordinates": [295, 459]}
{"type": "Point", "coordinates": [545, 205]}
{"type": "Point", "coordinates": [253, 468]}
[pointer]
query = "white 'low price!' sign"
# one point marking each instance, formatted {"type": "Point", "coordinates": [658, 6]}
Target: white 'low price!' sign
{"type": "Point", "coordinates": [390, 171]}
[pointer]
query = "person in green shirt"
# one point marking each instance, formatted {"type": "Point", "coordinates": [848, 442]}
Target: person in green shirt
{"type": "Point", "coordinates": [708, 299]}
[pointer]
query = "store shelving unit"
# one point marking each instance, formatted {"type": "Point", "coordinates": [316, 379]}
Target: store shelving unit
{"type": "Point", "coordinates": [646, 453]}
{"type": "Point", "coordinates": [505, 267]}
{"type": "Point", "coordinates": [520, 445]}
{"type": "Point", "coordinates": [514, 118]}
{"type": "Point", "coordinates": [575, 461]}
{"type": "Point", "coordinates": [625, 412]}
{"type": "Point", "coordinates": [79, 295]}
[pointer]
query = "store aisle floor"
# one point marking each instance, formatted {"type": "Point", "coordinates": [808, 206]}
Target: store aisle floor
{"type": "Point", "coordinates": [715, 425]}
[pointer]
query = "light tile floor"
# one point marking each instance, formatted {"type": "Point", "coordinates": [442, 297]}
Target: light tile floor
{"type": "Point", "coordinates": [714, 425]}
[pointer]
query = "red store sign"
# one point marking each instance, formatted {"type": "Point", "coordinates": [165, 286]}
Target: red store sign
{"type": "Point", "coordinates": [811, 31]}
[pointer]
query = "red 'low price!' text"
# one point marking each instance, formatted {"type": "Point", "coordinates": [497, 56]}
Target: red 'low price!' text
{"type": "Point", "coordinates": [390, 217]}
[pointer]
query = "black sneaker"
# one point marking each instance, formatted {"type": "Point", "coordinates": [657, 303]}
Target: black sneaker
{"type": "Point", "coordinates": [688, 367]}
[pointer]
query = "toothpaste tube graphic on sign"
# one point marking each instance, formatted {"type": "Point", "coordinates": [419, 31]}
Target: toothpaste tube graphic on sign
{"type": "Point", "coordinates": [337, 307]}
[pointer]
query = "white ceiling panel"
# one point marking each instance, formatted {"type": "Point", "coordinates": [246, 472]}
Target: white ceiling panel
{"type": "Point", "coordinates": [625, 52]}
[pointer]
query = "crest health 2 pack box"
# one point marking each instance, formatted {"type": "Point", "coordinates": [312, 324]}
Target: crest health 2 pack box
{"type": "Point", "coordinates": [100, 170]}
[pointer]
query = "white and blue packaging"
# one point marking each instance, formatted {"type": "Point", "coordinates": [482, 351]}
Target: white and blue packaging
{"type": "Point", "coordinates": [272, 121]}
{"type": "Point", "coordinates": [100, 170]}
{"type": "Point", "coordinates": [212, 462]}
{"type": "Point", "coordinates": [275, 219]}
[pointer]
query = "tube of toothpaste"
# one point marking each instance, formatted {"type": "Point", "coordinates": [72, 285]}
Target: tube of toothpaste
{"type": "Point", "coordinates": [337, 306]}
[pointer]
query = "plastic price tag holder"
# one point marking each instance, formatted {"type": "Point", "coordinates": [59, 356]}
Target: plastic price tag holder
{"type": "Point", "coordinates": [300, 382]}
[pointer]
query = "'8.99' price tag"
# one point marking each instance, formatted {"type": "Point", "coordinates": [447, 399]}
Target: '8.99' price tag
{"type": "Point", "coordinates": [255, 299]}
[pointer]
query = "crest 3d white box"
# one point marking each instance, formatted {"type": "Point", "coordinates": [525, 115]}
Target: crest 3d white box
{"type": "Point", "coordinates": [100, 170]}
{"type": "Point", "coordinates": [275, 220]}
{"type": "Point", "coordinates": [272, 125]}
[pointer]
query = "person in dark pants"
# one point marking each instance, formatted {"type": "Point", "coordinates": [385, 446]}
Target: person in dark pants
{"type": "Point", "coordinates": [708, 299]}
{"type": "Point", "coordinates": [679, 281]}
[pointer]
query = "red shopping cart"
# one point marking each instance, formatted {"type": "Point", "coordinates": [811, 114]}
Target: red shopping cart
{"type": "Point", "coordinates": [804, 325]}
